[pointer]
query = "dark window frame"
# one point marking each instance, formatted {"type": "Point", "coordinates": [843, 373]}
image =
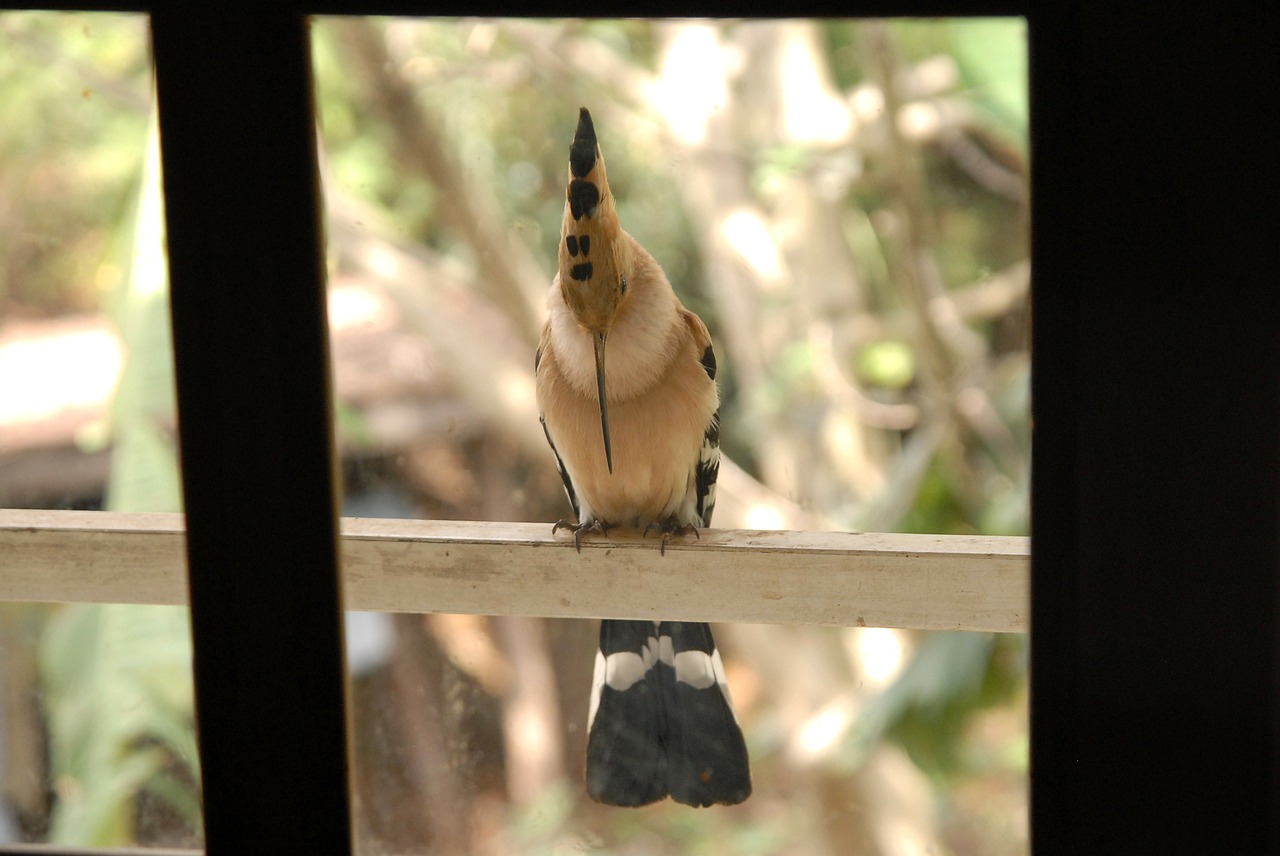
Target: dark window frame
{"type": "Point", "coordinates": [1156, 400]}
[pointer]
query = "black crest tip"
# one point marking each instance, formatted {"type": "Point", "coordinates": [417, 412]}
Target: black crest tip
{"type": "Point", "coordinates": [586, 132]}
{"type": "Point", "coordinates": [582, 154]}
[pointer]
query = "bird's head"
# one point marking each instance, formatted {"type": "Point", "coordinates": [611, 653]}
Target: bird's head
{"type": "Point", "coordinates": [596, 256]}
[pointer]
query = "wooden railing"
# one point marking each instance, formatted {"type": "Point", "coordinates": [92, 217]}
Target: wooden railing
{"type": "Point", "coordinates": [933, 582]}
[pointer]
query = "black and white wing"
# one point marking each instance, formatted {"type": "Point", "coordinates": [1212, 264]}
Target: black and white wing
{"type": "Point", "coordinates": [708, 466]}
{"type": "Point", "coordinates": [564, 474]}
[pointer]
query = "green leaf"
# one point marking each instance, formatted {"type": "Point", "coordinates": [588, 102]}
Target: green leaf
{"type": "Point", "coordinates": [117, 681]}
{"type": "Point", "coordinates": [117, 678]}
{"type": "Point", "coordinates": [948, 668]}
{"type": "Point", "coordinates": [992, 54]}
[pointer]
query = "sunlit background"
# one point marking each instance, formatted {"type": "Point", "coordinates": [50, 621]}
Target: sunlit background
{"type": "Point", "coordinates": [844, 203]}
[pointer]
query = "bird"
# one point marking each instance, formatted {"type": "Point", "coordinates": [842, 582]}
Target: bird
{"type": "Point", "coordinates": [636, 440]}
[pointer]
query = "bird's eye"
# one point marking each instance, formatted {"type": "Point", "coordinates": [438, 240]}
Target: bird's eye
{"type": "Point", "coordinates": [622, 287]}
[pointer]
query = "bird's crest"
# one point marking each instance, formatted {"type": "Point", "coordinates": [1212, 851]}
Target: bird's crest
{"type": "Point", "coordinates": [595, 254]}
{"type": "Point", "coordinates": [594, 251]}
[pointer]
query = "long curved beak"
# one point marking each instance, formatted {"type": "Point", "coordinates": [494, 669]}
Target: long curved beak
{"type": "Point", "coordinates": [599, 339]}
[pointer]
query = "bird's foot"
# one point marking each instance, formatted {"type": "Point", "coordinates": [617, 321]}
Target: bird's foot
{"type": "Point", "coordinates": [671, 527]}
{"type": "Point", "coordinates": [579, 528]}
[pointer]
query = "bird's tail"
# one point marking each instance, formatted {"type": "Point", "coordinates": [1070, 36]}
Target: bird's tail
{"type": "Point", "coordinates": [661, 719]}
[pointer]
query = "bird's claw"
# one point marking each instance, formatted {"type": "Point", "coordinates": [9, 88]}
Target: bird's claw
{"type": "Point", "coordinates": [578, 528]}
{"type": "Point", "coordinates": [669, 528]}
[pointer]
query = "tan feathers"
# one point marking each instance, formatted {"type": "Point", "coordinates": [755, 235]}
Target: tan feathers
{"type": "Point", "coordinates": [659, 391]}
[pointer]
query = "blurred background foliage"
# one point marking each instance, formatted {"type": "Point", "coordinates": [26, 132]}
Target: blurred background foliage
{"type": "Point", "coordinates": [76, 92]}
{"type": "Point", "coordinates": [844, 203]}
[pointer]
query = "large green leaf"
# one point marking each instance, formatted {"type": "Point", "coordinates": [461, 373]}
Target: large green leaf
{"type": "Point", "coordinates": [117, 678]}
{"type": "Point", "coordinates": [117, 690]}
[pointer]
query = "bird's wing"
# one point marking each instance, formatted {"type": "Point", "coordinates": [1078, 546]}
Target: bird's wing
{"type": "Point", "coordinates": [564, 474]}
{"type": "Point", "coordinates": [708, 466]}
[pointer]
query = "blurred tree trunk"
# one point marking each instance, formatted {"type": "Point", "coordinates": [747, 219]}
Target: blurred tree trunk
{"type": "Point", "coordinates": [531, 712]}
{"type": "Point", "coordinates": [429, 728]}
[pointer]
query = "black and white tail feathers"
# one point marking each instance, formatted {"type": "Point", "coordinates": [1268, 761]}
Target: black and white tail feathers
{"type": "Point", "coordinates": [661, 722]}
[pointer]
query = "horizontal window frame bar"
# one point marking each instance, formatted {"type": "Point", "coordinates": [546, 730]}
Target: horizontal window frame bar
{"type": "Point", "coordinates": [65, 850]}
{"type": "Point", "coordinates": [497, 9]}
{"type": "Point", "coordinates": [925, 582]}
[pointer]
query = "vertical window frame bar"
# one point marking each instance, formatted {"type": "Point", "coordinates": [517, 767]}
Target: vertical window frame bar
{"type": "Point", "coordinates": [1155, 647]}
{"type": "Point", "coordinates": [250, 332]}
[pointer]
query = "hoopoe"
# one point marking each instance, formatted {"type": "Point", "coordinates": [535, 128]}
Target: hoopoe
{"type": "Point", "coordinates": [637, 443]}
